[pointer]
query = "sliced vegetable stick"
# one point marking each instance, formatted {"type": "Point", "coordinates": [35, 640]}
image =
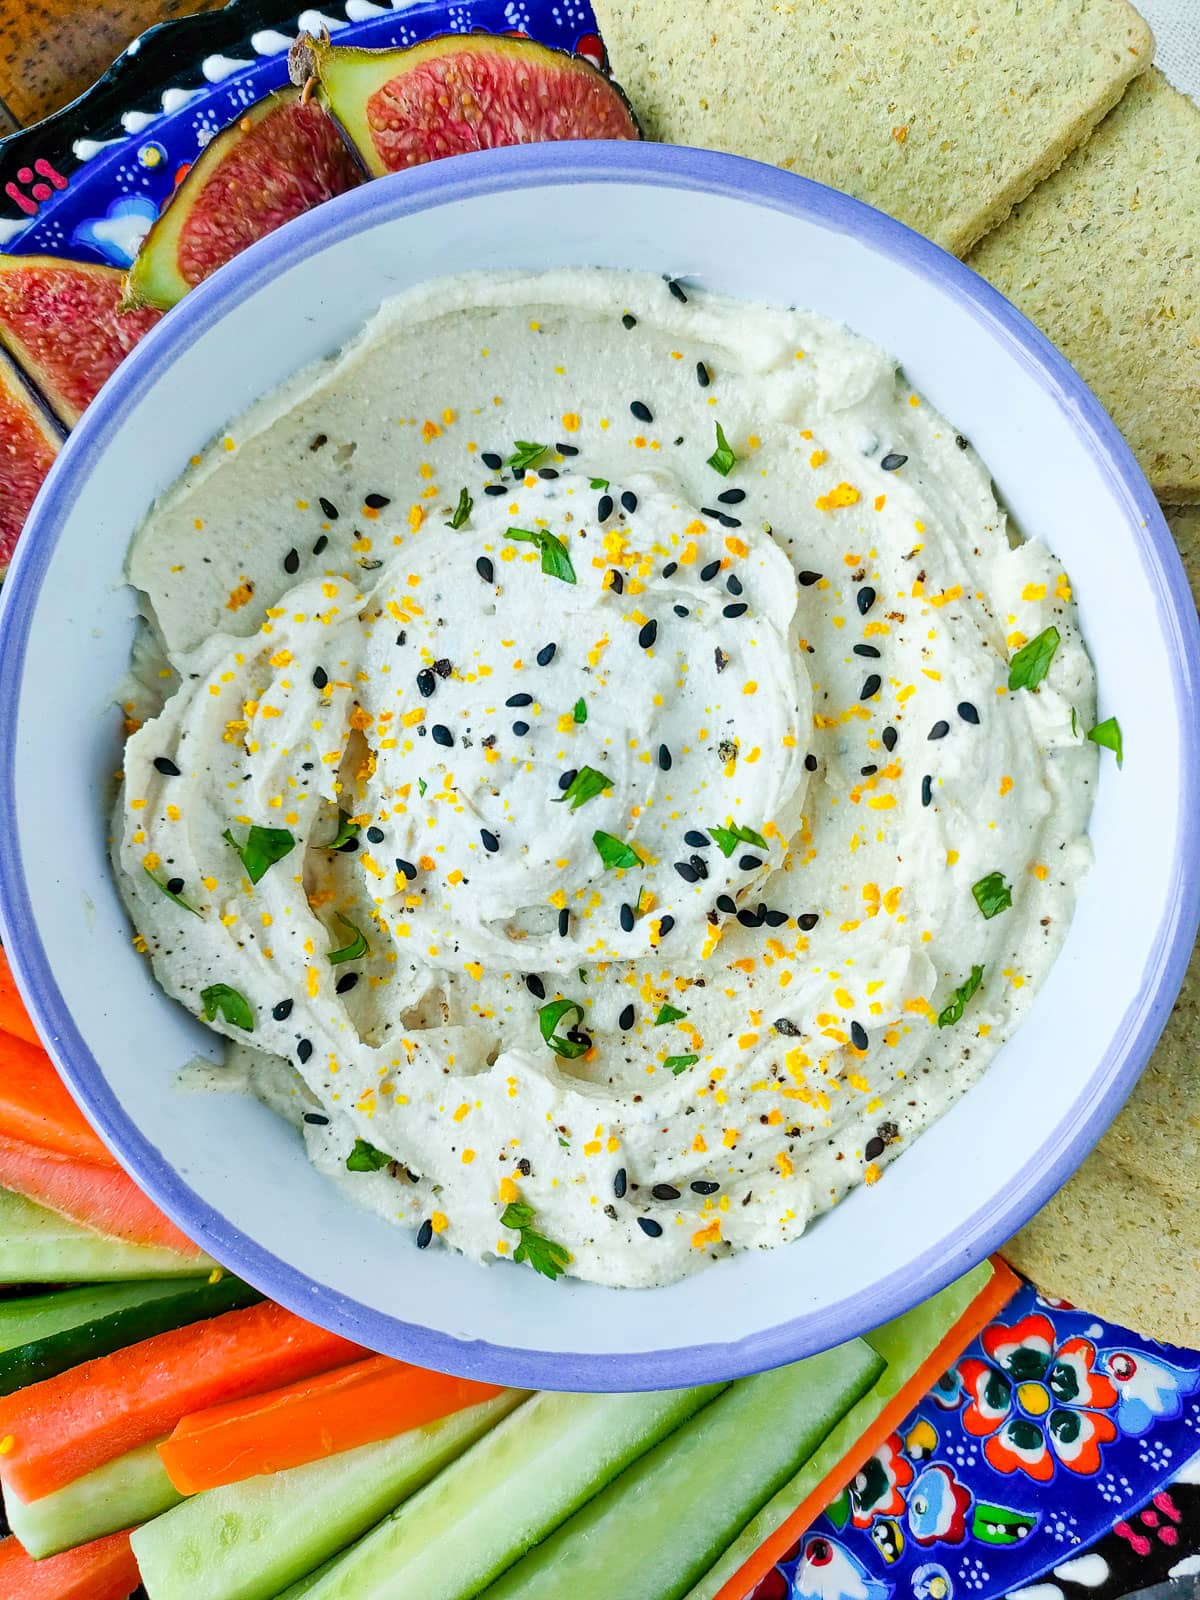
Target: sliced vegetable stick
{"type": "Point", "coordinates": [56, 1431]}
{"type": "Point", "coordinates": [105, 1570]}
{"type": "Point", "coordinates": [306, 1421]}
{"type": "Point", "coordinates": [36, 1106]}
{"type": "Point", "coordinates": [14, 1018]}
{"type": "Point", "coordinates": [104, 1198]}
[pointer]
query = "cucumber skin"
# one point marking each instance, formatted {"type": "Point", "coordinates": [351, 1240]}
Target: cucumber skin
{"type": "Point", "coordinates": [478, 1517]}
{"type": "Point", "coordinates": [189, 1302]}
{"type": "Point", "coordinates": [131, 1489]}
{"type": "Point", "coordinates": [39, 1246]}
{"type": "Point", "coordinates": [250, 1540]}
{"type": "Point", "coordinates": [27, 1318]}
{"type": "Point", "coordinates": [664, 1522]}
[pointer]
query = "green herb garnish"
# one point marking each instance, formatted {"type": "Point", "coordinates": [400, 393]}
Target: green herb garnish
{"type": "Point", "coordinates": [992, 894]}
{"type": "Point", "coordinates": [584, 786]}
{"type": "Point", "coordinates": [161, 885]}
{"type": "Point", "coordinates": [1032, 661]}
{"type": "Point", "coordinates": [668, 1014]}
{"type": "Point", "coordinates": [220, 1000]}
{"type": "Point", "coordinates": [722, 459]}
{"type": "Point", "coordinates": [728, 839]}
{"type": "Point", "coordinates": [599, 483]}
{"type": "Point", "coordinates": [543, 1255]}
{"type": "Point", "coordinates": [952, 1013]}
{"type": "Point", "coordinates": [262, 849]}
{"type": "Point", "coordinates": [462, 510]}
{"type": "Point", "coordinates": [421, 787]}
{"type": "Point", "coordinates": [1108, 733]}
{"type": "Point", "coordinates": [615, 852]}
{"type": "Point", "coordinates": [366, 1158]}
{"type": "Point", "coordinates": [678, 1064]}
{"type": "Point", "coordinates": [347, 830]}
{"type": "Point", "coordinates": [527, 454]}
{"type": "Point", "coordinates": [354, 951]}
{"type": "Point", "coordinates": [549, 1017]}
{"type": "Point", "coordinates": [556, 561]}
{"type": "Point", "coordinates": [579, 711]}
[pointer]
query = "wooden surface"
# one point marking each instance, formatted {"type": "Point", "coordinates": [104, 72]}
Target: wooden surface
{"type": "Point", "coordinates": [50, 50]}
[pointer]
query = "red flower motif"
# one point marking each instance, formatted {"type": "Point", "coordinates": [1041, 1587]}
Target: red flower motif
{"type": "Point", "coordinates": [875, 1489]}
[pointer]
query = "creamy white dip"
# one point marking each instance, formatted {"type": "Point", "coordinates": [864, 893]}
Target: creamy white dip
{"type": "Point", "coordinates": [669, 825]}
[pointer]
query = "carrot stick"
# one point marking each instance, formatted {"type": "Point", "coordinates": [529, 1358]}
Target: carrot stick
{"type": "Point", "coordinates": [306, 1421]}
{"type": "Point", "coordinates": [36, 1106]}
{"type": "Point", "coordinates": [14, 1018]}
{"type": "Point", "coordinates": [55, 1431]}
{"type": "Point", "coordinates": [104, 1198]}
{"type": "Point", "coordinates": [996, 1294]}
{"type": "Point", "coordinates": [103, 1570]}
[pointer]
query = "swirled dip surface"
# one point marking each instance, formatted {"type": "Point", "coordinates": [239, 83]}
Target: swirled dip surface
{"type": "Point", "coordinates": [630, 832]}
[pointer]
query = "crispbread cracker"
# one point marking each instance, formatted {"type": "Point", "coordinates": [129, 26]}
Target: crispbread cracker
{"type": "Point", "coordinates": [943, 112]}
{"type": "Point", "coordinates": [1105, 258]}
{"type": "Point", "coordinates": [1122, 1238]}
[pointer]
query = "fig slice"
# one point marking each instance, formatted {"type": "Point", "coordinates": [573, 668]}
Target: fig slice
{"type": "Point", "coordinates": [60, 321]}
{"type": "Point", "coordinates": [460, 92]}
{"type": "Point", "coordinates": [278, 160]}
{"type": "Point", "coordinates": [29, 442]}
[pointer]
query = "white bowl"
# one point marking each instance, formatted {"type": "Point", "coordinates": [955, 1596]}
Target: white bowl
{"type": "Point", "coordinates": [232, 1175]}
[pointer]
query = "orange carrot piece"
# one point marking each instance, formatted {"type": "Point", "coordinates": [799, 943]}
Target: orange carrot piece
{"type": "Point", "coordinates": [104, 1198]}
{"type": "Point", "coordinates": [996, 1294]}
{"type": "Point", "coordinates": [103, 1570]}
{"type": "Point", "coordinates": [306, 1421]}
{"type": "Point", "coordinates": [55, 1431]}
{"type": "Point", "coordinates": [14, 1018]}
{"type": "Point", "coordinates": [36, 1106]}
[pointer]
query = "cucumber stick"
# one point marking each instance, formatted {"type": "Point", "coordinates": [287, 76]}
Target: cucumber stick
{"type": "Point", "coordinates": [249, 1540]}
{"type": "Point", "coordinates": [667, 1518]}
{"type": "Point", "coordinates": [101, 1319]}
{"type": "Point", "coordinates": [39, 1246]}
{"type": "Point", "coordinates": [506, 1493]}
{"type": "Point", "coordinates": [117, 1495]}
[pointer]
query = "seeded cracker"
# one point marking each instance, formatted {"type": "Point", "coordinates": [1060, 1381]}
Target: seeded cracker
{"type": "Point", "coordinates": [1123, 1236]}
{"type": "Point", "coordinates": [941, 112]}
{"type": "Point", "coordinates": [1105, 258]}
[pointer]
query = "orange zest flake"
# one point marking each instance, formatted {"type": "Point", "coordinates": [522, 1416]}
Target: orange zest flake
{"type": "Point", "coordinates": [241, 595]}
{"type": "Point", "coordinates": [709, 1234]}
{"type": "Point", "coordinates": [845, 494]}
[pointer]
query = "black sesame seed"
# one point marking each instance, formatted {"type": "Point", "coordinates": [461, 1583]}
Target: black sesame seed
{"type": "Point", "coordinates": [649, 1227]}
{"type": "Point", "coordinates": [748, 918]}
{"type": "Point", "coordinates": [867, 650]}
{"type": "Point", "coordinates": [727, 904]}
{"type": "Point", "coordinates": [681, 611]}
{"type": "Point", "coordinates": [858, 1036]}
{"type": "Point", "coordinates": [749, 863]}
{"type": "Point", "coordinates": [665, 926]}
{"type": "Point", "coordinates": [687, 871]}
{"type": "Point", "coordinates": [491, 459]}
{"type": "Point", "coordinates": [810, 762]}
{"type": "Point", "coordinates": [665, 1191]}
{"type": "Point", "coordinates": [892, 462]}
{"type": "Point", "coordinates": [625, 1020]}
{"type": "Point", "coordinates": [889, 736]}
{"type": "Point", "coordinates": [546, 655]}
{"type": "Point", "coordinates": [166, 766]}
{"type": "Point", "coordinates": [704, 1186]}
{"type": "Point", "coordinates": [664, 758]}
{"type": "Point", "coordinates": [641, 411]}
{"type": "Point", "coordinates": [868, 771]}
{"type": "Point", "coordinates": [346, 982]}
{"type": "Point", "coordinates": [377, 501]}
{"type": "Point", "coordinates": [520, 729]}
{"type": "Point", "coordinates": [490, 842]}
{"type": "Point", "coordinates": [671, 568]}
{"type": "Point", "coordinates": [564, 922]}
{"type": "Point", "coordinates": [566, 779]}
{"type": "Point", "coordinates": [283, 1010]}
{"type": "Point", "coordinates": [567, 449]}
{"type": "Point", "coordinates": [626, 918]}
{"type": "Point", "coordinates": [495, 488]}
{"type": "Point", "coordinates": [939, 730]}
{"type": "Point", "coordinates": [375, 835]}
{"type": "Point", "coordinates": [698, 840]}
{"type": "Point", "coordinates": [618, 582]}
{"type": "Point", "coordinates": [629, 320]}
{"type": "Point", "coordinates": [442, 735]}
{"type": "Point", "coordinates": [926, 790]}
{"type": "Point", "coordinates": [304, 1049]}
{"type": "Point", "coordinates": [737, 609]}
{"type": "Point", "coordinates": [485, 569]}
{"type": "Point", "coordinates": [647, 634]}
{"type": "Point", "coordinates": [620, 1183]}
{"type": "Point", "coordinates": [425, 1235]}
{"type": "Point", "coordinates": [629, 500]}
{"type": "Point", "coordinates": [515, 700]}
{"type": "Point", "coordinates": [677, 290]}
{"type": "Point", "coordinates": [699, 866]}
{"type": "Point", "coordinates": [709, 571]}
{"type": "Point", "coordinates": [604, 507]}
{"type": "Point", "coordinates": [316, 1120]}
{"type": "Point", "coordinates": [733, 583]}
{"type": "Point", "coordinates": [547, 472]}
{"type": "Point", "coordinates": [865, 598]}
{"type": "Point", "coordinates": [291, 561]}
{"type": "Point", "coordinates": [874, 1147]}
{"type": "Point", "coordinates": [808, 921]}
{"type": "Point", "coordinates": [722, 517]}
{"type": "Point", "coordinates": [330, 510]}
{"type": "Point", "coordinates": [871, 686]}
{"type": "Point", "coordinates": [174, 885]}
{"type": "Point", "coordinates": [968, 712]}
{"type": "Point", "coordinates": [535, 986]}
{"type": "Point", "coordinates": [319, 678]}
{"type": "Point", "coordinates": [807, 579]}
{"type": "Point", "coordinates": [406, 868]}
{"type": "Point", "coordinates": [775, 919]}
{"type": "Point", "coordinates": [321, 545]}
{"type": "Point", "coordinates": [426, 682]}
{"type": "Point", "coordinates": [703, 375]}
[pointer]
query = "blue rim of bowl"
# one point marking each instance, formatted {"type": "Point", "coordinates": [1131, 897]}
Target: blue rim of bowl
{"type": "Point", "coordinates": [464, 177]}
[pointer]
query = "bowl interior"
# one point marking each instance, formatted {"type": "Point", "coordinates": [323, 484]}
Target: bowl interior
{"type": "Point", "coordinates": [232, 1174]}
